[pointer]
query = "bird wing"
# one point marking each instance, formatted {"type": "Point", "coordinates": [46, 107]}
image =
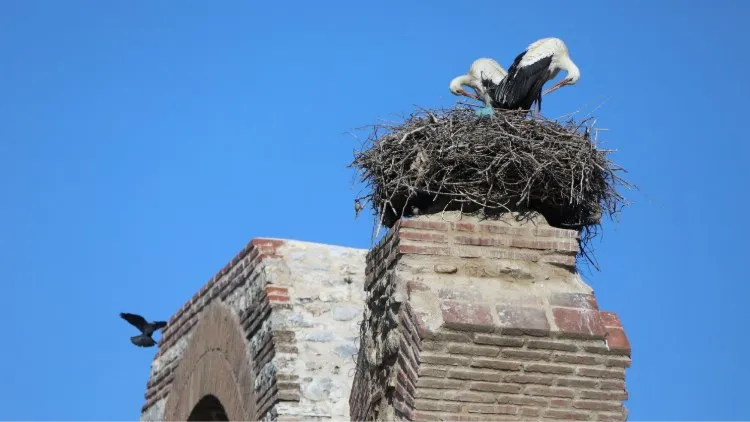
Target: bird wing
{"type": "Point", "coordinates": [524, 81]}
{"type": "Point", "coordinates": [487, 70]}
{"type": "Point", "coordinates": [136, 320]}
{"type": "Point", "coordinates": [158, 325]}
{"type": "Point", "coordinates": [143, 341]}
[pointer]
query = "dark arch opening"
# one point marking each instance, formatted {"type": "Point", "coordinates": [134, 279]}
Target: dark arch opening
{"type": "Point", "coordinates": [208, 408]}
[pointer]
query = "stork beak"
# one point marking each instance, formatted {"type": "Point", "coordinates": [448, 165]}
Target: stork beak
{"type": "Point", "coordinates": [556, 86]}
{"type": "Point", "coordinates": [470, 95]}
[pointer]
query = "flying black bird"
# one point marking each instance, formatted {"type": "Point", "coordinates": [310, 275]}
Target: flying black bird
{"type": "Point", "coordinates": [145, 327]}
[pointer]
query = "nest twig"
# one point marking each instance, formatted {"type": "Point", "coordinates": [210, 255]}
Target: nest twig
{"type": "Point", "coordinates": [450, 159]}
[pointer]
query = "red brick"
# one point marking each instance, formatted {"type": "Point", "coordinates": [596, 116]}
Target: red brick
{"type": "Point", "coordinates": [288, 395]}
{"type": "Point", "coordinates": [549, 369]}
{"type": "Point", "coordinates": [431, 345]}
{"type": "Point", "coordinates": [474, 375]}
{"type": "Point", "coordinates": [425, 371]}
{"type": "Point", "coordinates": [526, 354]}
{"type": "Point", "coordinates": [576, 359]}
{"type": "Point", "coordinates": [492, 409]}
{"type": "Point", "coordinates": [496, 364]}
{"type": "Point", "coordinates": [555, 232]}
{"type": "Point", "coordinates": [466, 316]}
{"type": "Point", "coordinates": [596, 405]}
{"type": "Point", "coordinates": [269, 289]}
{"type": "Point", "coordinates": [402, 408]}
{"type": "Point", "coordinates": [439, 383]}
{"type": "Point", "coordinates": [601, 373]}
{"type": "Point", "coordinates": [613, 385]}
{"type": "Point", "coordinates": [617, 340]}
{"type": "Point", "coordinates": [610, 319]}
{"type": "Point", "coordinates": [579, 322]}
{"type": "Point", "coordinates": [270, 244]}
{"type": "Point", "coordinates": [530, 379]}
{"type": "Point", "coordinates": [422, 249]}
{"type": "Point", "coordinates": [568, 415]}
{"type": "Point", "coordinates": [526, 320]}
{"type": "Point", "coordinates": [522, 400]}
{"type": "Point", "coordinates": [444, 360]}
{"type": "Point", "coordinates": [604, 350]}
{"type": "Point", "coordinates": [435, 405]}
{"type": "Point", "coordinates": [430, 393]}
{"type": "Point", "coordinates": [543, 244]}
{"type": "Point", "coordinates": [561, 403]}
{"type": "Point", "coordinates": [604, 395]}
{"type": "Point", "coordinates": [618, 362]}
{"type": "Point", "coordinates": [465, 227]}
{"type": "Point", "coordinates": [469, 396]}
{"type": "Point", "coordinates": [495, 387]}
{"type": "Point", "coordinates": [574, 300]}
{"type": "Point", "coordinates": [423, 236]}
{"type": "Point", "coordinates": [578, 383]}
{"type": "Point", "coordinates": [504, 341]}
{"type": "Point", "coordinates": [501, 228]}
{"type": "Point", "coordinates": [567, 260]}
{"type": "Point", "coordinates": [452, 336]}
{"type": "Point", "coordinates": [423, 416]}
{"type": "Point", "coordinates": [473, 350]}
{"type": "Point", "coordinates": [426, 225]}
{"type": "Point", "coordinates": [535, 390]}
{"type": "Point", "coordinates": [530, 412]}
{"type": "Point", "coordinates": [612, 417]}
{"type": "Point", "coordinates": [478, 240]}
{"type": "Point", "coordinates": [551, 345]}
{"type": "Point", "coordinates": [278, 298]}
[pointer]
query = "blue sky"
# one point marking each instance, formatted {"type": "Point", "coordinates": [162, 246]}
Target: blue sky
{"type": "Point", "coordinates": [142, 144]}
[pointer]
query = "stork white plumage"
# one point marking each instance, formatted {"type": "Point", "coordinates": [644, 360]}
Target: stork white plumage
{"type": "Point", "coordinates": [483, 76]}
{"type": "Point", "coordinates": [541, 62]}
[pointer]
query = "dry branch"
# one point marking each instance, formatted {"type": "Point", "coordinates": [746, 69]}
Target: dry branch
{"type": "Point", "coordinates": [451, 159]}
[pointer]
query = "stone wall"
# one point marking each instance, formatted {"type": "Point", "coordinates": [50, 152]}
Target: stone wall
{"type": "Point", "coordinates": [470, 320]}
{"type": "Point", "coordinates": [295, 306]}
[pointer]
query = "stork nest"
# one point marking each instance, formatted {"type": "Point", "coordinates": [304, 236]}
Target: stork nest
{"type": "Point", "coordinates": [440, 160]}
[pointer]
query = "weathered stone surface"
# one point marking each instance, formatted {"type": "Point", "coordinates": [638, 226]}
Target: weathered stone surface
{"type": "Point", "coordinates": [524, 319]}
{"type": "Point", "coordinates": [341, 313]}
{"type": "Point", "coordinates": [346, 351]}
{"type": "Point", "coordinates": [445, 269]}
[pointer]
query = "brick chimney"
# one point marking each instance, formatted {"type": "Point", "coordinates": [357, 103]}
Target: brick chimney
{"type": "Point", "coordinates": [469, 319]}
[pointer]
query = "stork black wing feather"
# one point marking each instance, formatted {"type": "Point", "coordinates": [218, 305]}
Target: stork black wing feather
{"type": "Point", "coordinates": [523, 85]}
{"type": "Point", "coordinates": [135, 320]}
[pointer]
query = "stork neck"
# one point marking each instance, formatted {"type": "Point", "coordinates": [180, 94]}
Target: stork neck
{"type": "Point", "coordinates": [459, 81]}
{"type": "Point", "coordinates": [573, 72]}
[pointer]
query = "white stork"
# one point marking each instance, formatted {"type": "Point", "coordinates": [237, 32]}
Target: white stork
{"type": "Point", "coordinates": [541, 62]}
{"type": "Point", "coordinates": [484, 75]}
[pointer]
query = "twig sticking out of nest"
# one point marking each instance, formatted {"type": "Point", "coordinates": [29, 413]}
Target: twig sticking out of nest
{"type": "Point", "coordinates": [451, 159]}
